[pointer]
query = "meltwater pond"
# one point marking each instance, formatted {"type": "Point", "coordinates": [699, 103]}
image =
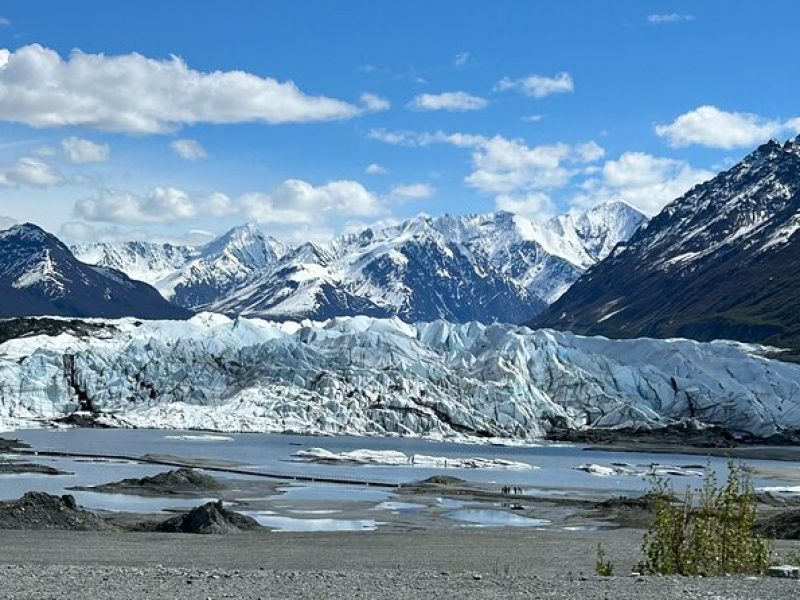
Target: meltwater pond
{"type": "Point", "coordinates": [555, 464]}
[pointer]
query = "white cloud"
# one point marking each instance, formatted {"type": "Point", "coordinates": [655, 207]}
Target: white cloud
{"type": "Point", "coordinates": [293, 201]}
{"type": "Point", "coordinates": [6, 222]}
{"type": "Point", "coordinates": [669, 18]}
{"type": "Point", "coordinates": [44, 151]}
{"type": "Point", "coordinates": [31, 172]}
{"type": "Point", "coordinates": [538, 86]}
{"type": "Point", "coordinates": [161, 205]}
{"type": "Point", "coordinates": [80, 231]}
{"type": "Point", "coordinates": [375, 169]}
{"type": "Point", "coordinates": [357, 226]}
{"type": "Point", "coordinates": [412, 191]}
{"type": "Point", "coordinates": [642, 180]}
{"type": "Point", "coordinates": [296, 201]}
{"type": "Point", "coordinates": [532, 118]}
{"type": "Point", "coordinates": [135, 94]}
{"type": "Point", "coordinates": [450, 101]}
{"type": "Point", "coordinates": [503, 166]}
{"type": "Point", "coordinates": [536, 206]}
{"type": "Point", "coordinates": [188, 149]}
{"type": "Point", "coordinates": [374, 103]}
{"type": "Point", "coordinates": [414, 138]}
{"type": "Point", "coordinates": [508, 168]}
{"type": "Point", "coordinates": [81, 151]}
{"type": "Point", "coordinates": [709, 126]}
{"type": "Point", "coordinates": [5, 22]}
{"type": "Point", "coordinates": [461, 59]}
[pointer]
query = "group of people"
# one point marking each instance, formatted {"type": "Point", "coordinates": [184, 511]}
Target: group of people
{"type": "Point", "coordinates": [509, 489]}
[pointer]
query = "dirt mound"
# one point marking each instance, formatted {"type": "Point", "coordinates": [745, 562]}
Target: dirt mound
{"type": "Point", "coordinates": [442, 480]}
{"type": "Point", "coordinates": [211, 518]}
{"type": "Point", "coordinates": [38, 510]}
{"type": "Point", "coordinates": [176, 482]}
{"type": "Point", "coordinates": [784, 526]}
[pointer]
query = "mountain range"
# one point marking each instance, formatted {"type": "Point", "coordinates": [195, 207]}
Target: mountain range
{"type": "Point", "coordinates": [722, 261]}
{"type": "Point", "coordinates": [488, 268]}
{"type": "Point", "coordinates": [40, 276]}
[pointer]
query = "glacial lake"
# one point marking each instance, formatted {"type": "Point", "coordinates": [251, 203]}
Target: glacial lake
{"type": "Point", "coordinates": [554, 471]}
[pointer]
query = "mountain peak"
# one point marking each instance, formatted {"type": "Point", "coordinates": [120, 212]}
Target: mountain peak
{"type": "Point", "coordinates": [40, 276]}
{"type": "Point", "coordinates": [720, 261]}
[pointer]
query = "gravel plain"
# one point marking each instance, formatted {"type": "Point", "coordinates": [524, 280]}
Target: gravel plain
{"type": "Point", "coordinates": [464, 563]}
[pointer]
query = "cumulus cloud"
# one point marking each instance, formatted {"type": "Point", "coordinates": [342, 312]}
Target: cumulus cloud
{"type": "Point", "coordinates": [161, 205]}
{"type": "Point", "coordinates": [375, 169]}
{"type": "Point", "coordinates": [644, 181]}
{"type": "Point", "coordinates": [293, 201]}
{"type": "Point", "coordinates": [296, 201]}
{"type": "Point", "coordinates": [536, 206]}
{"type": "Point", "coordinates": [518, 175]}
{"type": "Point", "coordinates": [461, 59]}
{"type": "Point", "coordinates": [669, 18]}
{"type": "Point", "coordinates": [412, 191]}
{"type": "Point", "coordinates": [504, 166]}
{"type": "Point", "coordinates": [135, 94]}
{"type": "Point", "coordinates": [188, 149]}
{"type": "Point", "coordinates": [450, 101]}
{"type": "Point", "coordinates": [709, 126]}
{"type": "Point", "coordinates": [374, 103]}
{"type": "Point", "coordinates": [29, 171]}
{"type": "Point", "coordinates": [538, 86]}
{"type": "Point", "coordinates": [81, 151]}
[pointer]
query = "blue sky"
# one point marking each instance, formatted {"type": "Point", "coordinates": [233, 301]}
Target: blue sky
{"type": "Point", "coordinates": [460, 107]}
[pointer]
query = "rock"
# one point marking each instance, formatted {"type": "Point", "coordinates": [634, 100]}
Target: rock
{"type": "Point", "coordinates": [212, 518]}
{"type": "Point", "coordinates": [786, 571]}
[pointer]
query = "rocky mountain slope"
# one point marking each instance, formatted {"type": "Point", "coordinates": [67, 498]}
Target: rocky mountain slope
{"type": "Point", "coordinates": [722, 261]}
{"type": "Point", "coordinates": [366, 376]}
{"type": "Point", "coordinates": [40, 276]}
{"type": "Point", "coordinates": [495, 267]}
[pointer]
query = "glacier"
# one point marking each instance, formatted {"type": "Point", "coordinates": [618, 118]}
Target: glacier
{"type": "Point", "coordinates": [371, 376]}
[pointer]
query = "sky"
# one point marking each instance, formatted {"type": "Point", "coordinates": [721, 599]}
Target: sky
{"type": "Point", "coordinates": [174, 121]}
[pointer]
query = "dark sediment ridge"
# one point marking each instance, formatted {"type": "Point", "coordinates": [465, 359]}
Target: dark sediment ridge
{"type": "Point", "coordinates": [183, 481]}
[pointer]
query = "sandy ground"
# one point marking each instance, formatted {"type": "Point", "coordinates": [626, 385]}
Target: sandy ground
{"type": "Point", "coordinates": [464, 563]}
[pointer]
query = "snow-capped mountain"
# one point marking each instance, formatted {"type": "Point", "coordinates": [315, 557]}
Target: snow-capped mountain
{"type": "Point", "coordinates": [721, 261]}
{"type": "Point", "coordinates": [145, 261]}
{"type": "Point", "coordinates": [40, 276]}
{"type": "Point", "coordinates": [186, 275]}
{"type": "Point", "coordinates": [360, 375]}
{"type": "Point", "coordinates": [495, 267]}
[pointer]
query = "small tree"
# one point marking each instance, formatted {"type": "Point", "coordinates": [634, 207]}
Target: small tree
{"type": "Point", "coordinates": [602, 566]}
{"type": "Point", "coordinates": [713, 537]}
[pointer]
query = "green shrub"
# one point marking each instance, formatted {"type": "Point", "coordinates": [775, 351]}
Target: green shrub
{"type": "Point", "coordinates": [603, 567]}
{"type": "Point", "coordinates": [707, 533]}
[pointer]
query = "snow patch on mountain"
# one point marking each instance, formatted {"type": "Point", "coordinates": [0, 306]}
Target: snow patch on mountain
{"type": "Point", "coordinates": [494, 267]}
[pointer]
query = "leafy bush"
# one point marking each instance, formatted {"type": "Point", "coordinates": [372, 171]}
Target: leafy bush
{"type": "Point", "coordinates": [603, 567]}
{"type": "Point", "coordinates": [709, 532]}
